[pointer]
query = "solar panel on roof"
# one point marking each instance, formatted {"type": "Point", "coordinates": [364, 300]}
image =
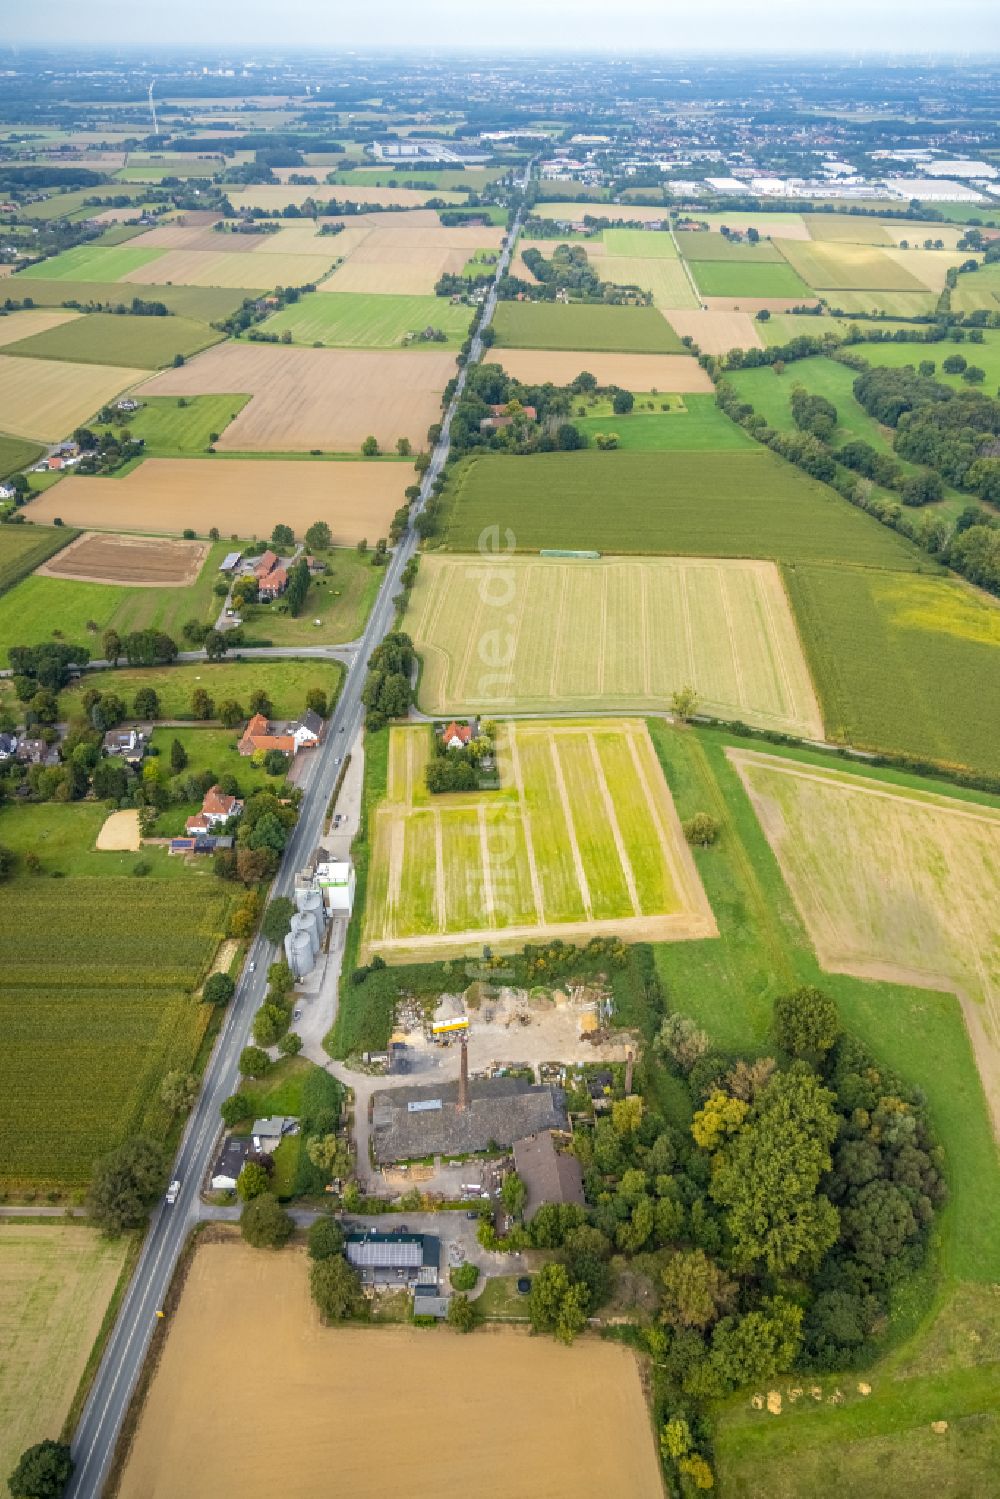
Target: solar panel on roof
{"type": "Point", "coordinates": [392, 1253]}
{"type": "Point", "coordinates": [422, 1107]}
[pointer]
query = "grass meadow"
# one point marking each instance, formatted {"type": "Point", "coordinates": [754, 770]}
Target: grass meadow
{"type": "Point", "coordinates": [285, 682]}
{"type": "Point", "coordinates": [553, 325]}
{"type": "Point", "coordinates": [340, 600]}
{"type": "Point", "coordinates": [733, 504]}
{"type": "Point", "coordinates": [23, 548]}
{"type": "Point", "coordinates": [977, 290]}
{"type": "Point", "coordinates": [353, 321]}
{"type": "Point", "coordinates": [731, 278]}
{"type": "Point", "coordinates": [181, 426]}
{"type": "Point", "coordinates": [643, 244]}
{"type": "Point", "coordinates": [17, 453]}
{"type": "Point", "coordinates": [696, 245]}
{"type": "Point", "coordinates": [101, 263]}
{"type": "Point", "coordinates": [695, 425]}
{"type": "Point", "coordinates": [986, 355]}
{"type": "Point", "coordinates": [107, 338]}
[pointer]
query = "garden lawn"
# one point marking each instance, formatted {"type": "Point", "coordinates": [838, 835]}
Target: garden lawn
{"type": "Point", "coordinates": [179, 426]}
{"type": "Point", "coordinates": [17, 453]}
{"type": "Point", "coordinates": [352, 321]}
{"type": "Point", "coordinates": [728, 278]}
{"type": "Point", "coordinates": [902, 662]}
{"type": "Point", "coordinates": [554, 325]}
{"type": "Point", "coordinates": [729, 504]}
{"type": "Point", "coordinates": [285, 682]}
{"type": "Point", "coordinates": [340, 599]}
{"type": "Point", "coordinates": [107, 338]}
{"type": "Point", "coordinates": [61, 608]}
{"type": "Point", "coordinates": [699, 427]}
{"type": "Point", "coordinates": [23, 548]}
{"type": "Point", "coordinates": [207, 749]}
{"type": "Point", "coordinates": [92, 263]}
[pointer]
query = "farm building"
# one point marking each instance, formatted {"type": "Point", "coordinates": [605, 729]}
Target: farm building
{"type": "Point", "coordinates": [230, 562]}
{"type": "Point", "coordinates": [216, 809]}
{"type": "Point", "coordinates": [550, 1175]}
{"type": "Point", "coordinates": [301, 733]}
{"type": "Point", "coordinates": [271, 575]}
{"type": "Point", "coordinates": [428, 1302]}
{"type": "Point", "coordinates": [8, 746]}
{"type": "Point", "coordinates": [435, 1120]}
{"type": "Point", "coordinates": [395, 1259]}
{"type": "Point", "coordinates": [457, 735]}
{"type": "Point", "coordinates": [335, 879]}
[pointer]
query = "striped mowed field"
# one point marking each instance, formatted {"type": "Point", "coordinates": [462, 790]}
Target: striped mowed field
{"type": "Point", "coordinates": [580, 840]}
{"type": "Point", "coordinates": [615, 633]}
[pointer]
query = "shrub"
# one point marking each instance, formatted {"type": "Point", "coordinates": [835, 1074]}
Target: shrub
{"type": "Point", "coordinates": [464, 1277]}
{"type": "Point", "coordinates": [701, 830]}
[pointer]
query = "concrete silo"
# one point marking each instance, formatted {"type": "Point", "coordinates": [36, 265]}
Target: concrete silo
{"type": "Point", "coordinates": [299, 954]}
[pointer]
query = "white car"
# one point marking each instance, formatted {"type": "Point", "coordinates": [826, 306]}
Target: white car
{"type": "Point", "coordinates": [173, 1191]}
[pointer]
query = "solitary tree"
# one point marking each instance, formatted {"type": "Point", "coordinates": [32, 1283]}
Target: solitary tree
{"type": "Point", "coordinates": [265, 1224]}
{"type": "Point", "coordinates": [319, 537]}
{"type": "Point", "coordinates": [178, 1091]}
{"type": "Point", "coordinates": [178, 756]}
{"type": "Point", "coordinates": [684, 703]}
{"type": "Point", "coordinates": [326, 1238]}
{"type": "Point", "coordinates": [42, 1472]}
{"type": "Point", "coordinates": [111, 644]}
{"type": "Point", "coordinates": [126, 1183]}
{"type": "Point", "coordinates": [219, 989]}
{"type": "Point", "coordinates": [369, 447]}
{"type": "Point", "coordinates": [252, 1181]}
{"type": "Point", "coordinates": [253, 1061]}
{"type": "Point", "coordinates": [336, 1289]}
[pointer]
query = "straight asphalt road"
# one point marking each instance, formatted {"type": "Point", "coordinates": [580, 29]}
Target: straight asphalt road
{"type": "Point", "coordinates": [107, 1403]}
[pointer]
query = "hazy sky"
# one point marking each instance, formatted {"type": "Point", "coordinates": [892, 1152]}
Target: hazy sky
{"type": "Point", "coordinates": [627, 26]}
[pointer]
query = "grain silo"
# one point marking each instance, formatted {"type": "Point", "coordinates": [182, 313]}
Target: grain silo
{"type": "Point", "coordinates": [299, 953]}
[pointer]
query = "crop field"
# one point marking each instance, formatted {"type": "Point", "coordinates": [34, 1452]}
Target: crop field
{"type": "Point", "coordinates": [180, 426]}
{"type": "Point", "coordinates": [615, 633]}
{"type": "Point", "coordinates": [301, 238]}
{"type": "Point", "coordinates": [697, 245]}
{"type": "Point", "coordinates": [768, 225]}
{"type": "Point", "coordinates": [977, 290]}
{"type": "Point", "coordinates": [63, 205]}
{"type": "Point", "coordinates": [23, 548]}
{"type": "Point", "coordinates": [134, 561]}
{"type": "Point", "coordinates": [853, 227]}
{"type": "Point", "coordinates": [552, 325]}
{"type": "Point", "coordinates": [581, 839]}
{"type": "Point", "coordinates": [373, 322]}
{"type": "Point", "coordinates": [573, 212]}
{"type": "Point", "coordinates": [45, 608]}
{"type": "Point", "coordinates": [666, 280]}
{"type": "Point", "coordinates": [900, 661]}
{"type": "Point", "coordinates": [891, 883]}
{"type": "Point", "coordinates": [204, 303]}
{"type": "Point", "coordinates": [15, 326]}
{"type": "Point", "coordinates": [43, 399]}
{"type": "Point", "coordinates": [641, 244]}
{"type": "Point", "coordinates": [17, 453]}
{"type": "Point", "coordinates": [182, 164]}
{"type": "Point", "coordinates": [929, 267]}
{"type": "Point", "coordinates": [91, 1022]}
{"type": "Point", "coordinates": [695, 426]}
{"type": "Point", "coordinates": [782, 327]}
{"type": "Point", "coordinates": [270, 196]}
{"type": "Point", "coordinates": [285, 682]}
{"type": "Point", "coordinates": [394, 271]}
{"type": "Point", "coordinates": [98, 263]}
{"type": "Point", "coordinates": [655, 372]}
{"type": "Point", "coordinates": [738, 504]}
{"type": "Point", "coordinates": [330, 399]}
{"type": "Point", "coordinates": [716, 332]}
{"type": "Point", "coordinates": [728, 278]}
{"type": "Point", "coordinates": [242, 497]}
{"type": "Point", "coordinates": [416, 231]}
{"type": "Point", "coordinates": [328, 1384]}
{"type": "Point", "coordinates": [837, 265]}
{"type": "Point", "coordinates": [901, 304]}
{"type": "Point", "coordinates": [446, 177]}
{"type": "Point", "coordinates": [106, 338]}
{"type": "Point", "coordinates": [56, 1280]}
{"type": "Point", "coordinates": [229, 268]}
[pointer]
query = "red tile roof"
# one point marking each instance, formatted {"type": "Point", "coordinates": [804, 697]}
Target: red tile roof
{"type": "Point", "coordinates": [456, 731]}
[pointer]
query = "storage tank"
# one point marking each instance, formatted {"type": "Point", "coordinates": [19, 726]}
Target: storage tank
{"type": "Point", "coordinates": [303, 926]}
{"type": "Point", "coordinates": [308, 899]}
{"type": "Point", "coordinates": [299, 953]}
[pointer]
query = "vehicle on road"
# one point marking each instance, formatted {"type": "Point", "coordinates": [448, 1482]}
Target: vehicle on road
{"type": "Point", "coordinates": [296, 1014]}
{"type": "Point", "coordinates": [252, 965]}
{"type": "Point", "coordinates": [173, 1191]}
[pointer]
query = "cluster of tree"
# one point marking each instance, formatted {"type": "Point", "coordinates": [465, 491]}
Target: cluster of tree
{"type": "Point", "coordinates": [263, 831]}
{"type": "Point", "coordinates": [459, 768]}
{"type": "Point", "coordinates": [567, 269]}
{"type": "Point", "coordinates": [813, 413]}
{"type": "Point", "coordinates": [487, 385]}
{"type": "Point", "coordinates": [388, 692]}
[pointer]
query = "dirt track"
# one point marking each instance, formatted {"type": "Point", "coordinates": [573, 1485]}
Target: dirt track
{"type": "Point", "coordinates": [368, 1412]}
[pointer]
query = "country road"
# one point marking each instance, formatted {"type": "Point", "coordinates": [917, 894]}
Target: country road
{"type": "Point", "coordinates": [107, 1404]}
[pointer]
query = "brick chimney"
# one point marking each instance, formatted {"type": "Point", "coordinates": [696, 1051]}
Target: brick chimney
{"type": "Point", "coordinates": [628, 1074]}
{"type": "Point", "coordinates": [463, 1075]}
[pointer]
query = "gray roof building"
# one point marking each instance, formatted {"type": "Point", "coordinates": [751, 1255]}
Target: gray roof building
{"type": "Point", "coordinates": [548, 1174]}
{"type": "Point", "coordinates": [427, 1120]}
{"type": "Point", "coordinates": [391, 1259]}
{"type": "Point", "coordinates": [428, 1302]}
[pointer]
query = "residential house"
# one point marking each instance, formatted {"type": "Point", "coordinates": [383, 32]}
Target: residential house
{"type": "Point", "coordinates": [306, 731]}
{"type": "Point", "coordinates": [394, 1259]}
{"type": "Point", "coordinates": [271, 575]}
{"type": "Point", "coordinates": [216, 808]}
{"type": "Point", "coordinates": [499, 417]}
{"type": "Point", "coordinates": [259, 734]}
{"type": "Point", "coordinates": [457, 735]}
{"type": "Point", "coordinates": [548, 1174]}
{"type": "Point", "coordinates": [229, 1164]}
{"type": "Point", "coordinates": [130, 744]}
{"type": "Point", "coordinates": [8, 746]}
{"type": "Point", "coordinates": [127, 403]}
{"type": "Point", "coordinates": [37, 752]}
{"type": "Point", "coordinates": [267, 1134]}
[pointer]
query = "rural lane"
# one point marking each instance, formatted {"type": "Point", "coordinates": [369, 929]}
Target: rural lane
{"type": "Point", "coordinates": [108, 1400]}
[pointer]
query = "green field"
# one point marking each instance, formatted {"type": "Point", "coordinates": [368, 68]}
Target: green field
{"type": "Point", "coordinates": [473, 178]}
{"type": "Point", "coordinates": [977, 290]}
{"type": "Point", "coordinates": [171, 429]}
{"type": "Point", "coordinates": [61, 608]}
{"type": "Point", "coordinates": [728, 278]}
{"type": "Point", "coordinates": [699, 426]}
{"type": "Point", "coordinates": [901, 662]}
{"type": "Point", "coordinates": [93, 1019]}
{"type": "Point", "coordinates": [341, 599]}
{"type": "Point", "coordinates": [92, 263]}
{"type": "Point", "coordinates": [614, 634]}
{"type": "Point", "coordinates": [73, 204]}
{"type": "Point", "coordinates": [770, 396]}
{"type": "Point", "coordinates": [837, 265]}
{"type": "Point", "coordinates": [17, 453]}
{"type": "Point", "coordinates": [204, 303]}
{"type": "Point", "coordinates": [986, 355]}
{"type": "Point", "coordinates": [697, 245]}
{"type": "Point", "coordinates": [285, 682]}
{"type": "Point", "coordinates": [209, 749]}
{"type": "Point", "coordinates": [580, 838]}
{"type": "Point", "coordinates": [551, 325]}
{"type": "Point", "coordinates": [107, 338]}
{"type": "Point", "coordinates": [856, 228]}
{"type": "Point", "coordinates": [182, 165]}
{"type": "Point", "coordinates": [642, 244]}
{"type": "Point", "coordinates": [23, 548]}
{"type": "Point", "coordinates": [890, 304]}
{"type": "Point", "coordinates": [351, 321]}
{"type": "Point", "coordinates": [746, 504]}
{"type": "Point", "coordinates": [666, 280]}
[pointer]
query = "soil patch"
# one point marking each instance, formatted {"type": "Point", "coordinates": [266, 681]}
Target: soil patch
{"type": "Point", "coordinates": [139, 561]}
{"type": "Point", "coordinates": [120, 832]}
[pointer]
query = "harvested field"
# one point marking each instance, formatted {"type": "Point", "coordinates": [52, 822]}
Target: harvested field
{"type": "Point", "coordinates": [892, 884]}
{"type": "Point", "coordinates": [666, 279]}
{"type": "Point", "coordinates": [929, 267]}
{"type": "Point", "coordinates": [317, 398]}
{"type": "Point", "coordinates": [674, 372]}
{"type": "Point", "coordinates": [242, 497]}
{"type": "Point", "coordinates": [550, 325]}
{"type": "Point", "coordinates": [837, 265]}
{"type": "Point", "coordinates": [916, 234]}
{"type": "Point", "coordinates": [120, 833]}
{"type": "Point", "coordinates": [904, 304]}
{"type": "Point", "coordinates": [573, 212]}
{"type": "Point", "coordinates": [135, 561]}
{"type": "Point", "coordinates": [853, 227]}
{"type": "Point", "coordinates": [715, 332]}
{"type": "Point", "coordinates": [328, 1384]}
{"type": "Point", "coordinates": [205, 303]}
{"type": "Point", "coordinates": [395, 272]}
{"type": "Point", "coordinates": [17, 325]}
{"type": "Point", "coordinates": [402, 232]}
{"type": "Point", "coordinates": [616, 633]}
{"type": "Point", "coordinates": [768, 225]}
{"type": "Point", "coordinates": [46, 399]}
{"type": "Point", "coordinates": [110, 338]}
{"type": "Point", "coordinates": [697, 245]}
{"type": "Point", "coordinates": [230, 268]}
{"type": "Point", "coordinates": [56, 1280]}
{"type": "Point", "coordinates": [756, 304]}
{"type": "Point", "coordinates": [270, 196]}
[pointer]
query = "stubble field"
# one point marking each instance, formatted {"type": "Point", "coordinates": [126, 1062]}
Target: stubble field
{"type": "Point", "coordinates": [43, 399]}
{"type": "Point", "coordinates": [580, 840]}
{"type": "Point", "coordinates": [667, 372]}
{"type": "Point", "coordinates": [620, 633]}
{"type": "Point", "coordinates": [56, 1280]}
{"type": "Point", "coordinates": [18, 325]}
{"type": "Point", "coordinates": [243, 497]}
{"type": "Point", "coordinates": [330, 399]}
{"type": "Point", "coordinates": [231, 269]}
{"type": "Point", "coordinates": [579, 1413]}
{"type": "Point", "coordinates": [838, 265]}
{"type": "Point", "coordinates": [716, 332]}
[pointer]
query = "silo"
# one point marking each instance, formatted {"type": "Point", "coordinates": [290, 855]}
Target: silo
{"type": "Point", "coordinates": [299, 953]}
{"type": "Point", "coordinates": [304, 927]}
{"type": "Point", "coordinates": [310, 903]}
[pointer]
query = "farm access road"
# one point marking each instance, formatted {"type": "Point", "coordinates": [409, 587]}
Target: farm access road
{"type": "Point", "coordinates": [106, 1406]}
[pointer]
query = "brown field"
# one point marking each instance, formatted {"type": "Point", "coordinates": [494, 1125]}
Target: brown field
{"type": "Point", "coordinates": [231, 268]}
{"type": "Point", "coordinates": [715, 332]}
{"type": "Point", "coordinates": [119, 832]}
{"type": "Point", "coordinates": [405, 273]}
{"type": "Point", "coordinates": [271, 196]}
{"type": "Point", "coordinates": [47, 398]}
{"type": "Point", "coordinates": [317, 398]}
{"type": "Point", "coordinates": [674, 372]}
{"type": "Point", "coordinates": [400, 236]}
{"type": "Point", "coordinates": [17, 325]}
{"type": "Point", "coordinates": [377, 1410]}
{"type": "Point", "coordinates": [134, 561]}
{"type": "Point", "coordinates": [245, 497]}
{"type": "Point", "coordinates": [295, 239]}
{"type": "Point", "coordinates": [757, 304]}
